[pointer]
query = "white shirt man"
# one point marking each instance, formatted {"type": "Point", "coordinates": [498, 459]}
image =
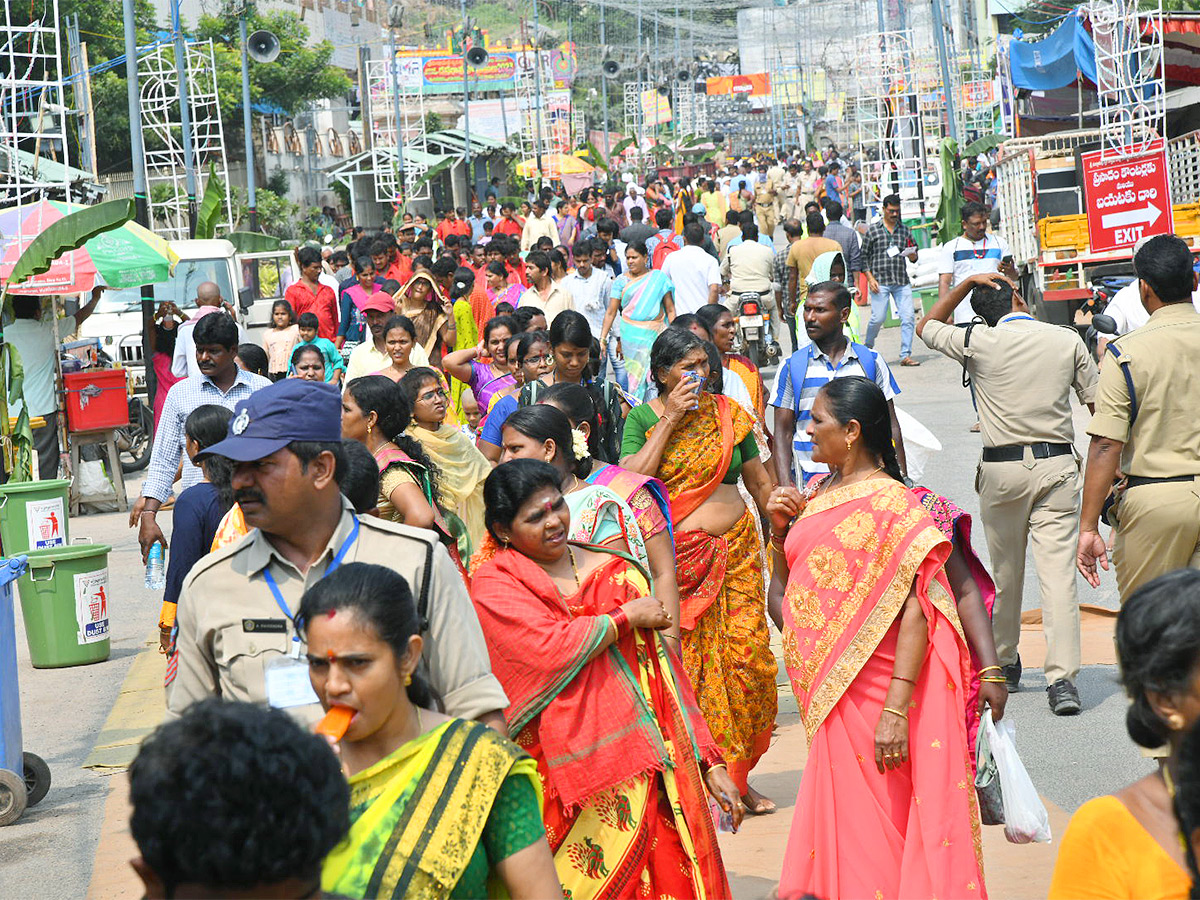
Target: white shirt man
{"type": "Point", "coordinates": [972, 252]}
{"type": "Point", "coordinates": [208, 300]}
{"type": "Point", "coordinates": [590, 289]}
{"type": "Point", "coordinates": [695, 273]}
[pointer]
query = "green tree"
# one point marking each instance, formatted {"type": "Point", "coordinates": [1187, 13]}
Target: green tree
{"type": "Point", "coordinates": [299, 76]}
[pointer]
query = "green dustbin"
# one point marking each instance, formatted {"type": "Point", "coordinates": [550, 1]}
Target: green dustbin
{"type": "Point", "coordinates": [64, 601]}
{"type": "Point", "coordinates": [33, 515]}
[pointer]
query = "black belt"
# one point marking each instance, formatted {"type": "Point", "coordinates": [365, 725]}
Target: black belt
{"type": "Point", "coordinates": [1016, 452]}
{"type": "Point", "coordinates": [1137, 480]}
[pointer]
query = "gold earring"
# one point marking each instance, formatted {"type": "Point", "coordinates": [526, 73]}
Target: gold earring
{"type": "Point", "coordinates": [407, 680]}
{"type": "Point", "coordinates": [368, 429]}
{"type": "Point", "coordinates": [1175, 721]}
{"type": "Point", "coordinates": [849, 444]}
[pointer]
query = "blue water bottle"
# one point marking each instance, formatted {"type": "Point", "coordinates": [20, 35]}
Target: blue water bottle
{"type": "Point", "coordinates": [156, 571]}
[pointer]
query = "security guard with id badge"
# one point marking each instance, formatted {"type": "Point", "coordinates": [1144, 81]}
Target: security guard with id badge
{"type": "Point", "coordinates": [237, 635]}
{"type": "Point", "coordinates": [1028, 476]}
{"type": "Point", "coordinates": [1147, 427]}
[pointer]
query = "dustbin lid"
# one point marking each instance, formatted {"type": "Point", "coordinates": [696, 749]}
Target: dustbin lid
{"type": "Point", "coordinates": [11, 569]}
{"type": "Point", "coordinates": [61, 554]}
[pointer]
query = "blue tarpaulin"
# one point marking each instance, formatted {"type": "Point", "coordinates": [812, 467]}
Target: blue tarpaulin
{"type": "Point", "coordinates": [1054, 61]}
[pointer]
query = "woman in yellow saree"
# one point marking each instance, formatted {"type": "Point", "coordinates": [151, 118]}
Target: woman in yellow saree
{"type": "Point", "coordinates": [439, 807]}
{"type": "Point", "coordinates": [878, 662]}
{"type": "Point", "coordinates": [599, 701]}
{"type": "Point", "coordinates": [698, 444]}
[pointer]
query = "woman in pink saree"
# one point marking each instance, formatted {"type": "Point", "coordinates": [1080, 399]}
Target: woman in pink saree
{"type": "Point", "coordinates": [878, 662]}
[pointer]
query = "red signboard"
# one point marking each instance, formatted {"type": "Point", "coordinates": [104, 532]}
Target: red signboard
{"type": "Point", "coordinates": [1127, 199]}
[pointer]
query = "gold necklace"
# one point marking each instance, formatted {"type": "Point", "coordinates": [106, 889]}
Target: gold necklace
{"type": "Point", "coordinates": [574, 568]}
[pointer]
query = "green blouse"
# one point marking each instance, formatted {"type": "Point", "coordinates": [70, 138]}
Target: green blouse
{"type": "Point", "coordinates": [642, 418]}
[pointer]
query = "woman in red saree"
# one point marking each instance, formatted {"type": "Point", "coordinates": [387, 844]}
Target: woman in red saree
{"type": "Point", "coordinates": [878, 663]}
{"type": "Point", "coordinates": [599, 702]}
{"type": "Point", "coordinates": [699, 444]}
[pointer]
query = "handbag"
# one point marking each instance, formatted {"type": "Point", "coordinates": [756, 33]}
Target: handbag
{"type": "Point", "coordinates": [987, 780]}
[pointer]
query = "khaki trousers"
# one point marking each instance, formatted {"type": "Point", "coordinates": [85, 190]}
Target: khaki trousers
{"type": "Point", "coordinates": [1034, 499]}
{"type": "Point", "coordinates": [1158, 531]}
{"type": "Point", "coordinates": [766, 220]}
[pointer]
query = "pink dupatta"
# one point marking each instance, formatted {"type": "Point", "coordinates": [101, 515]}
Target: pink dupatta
{"type": "Point", "coordinates": [913, 832]}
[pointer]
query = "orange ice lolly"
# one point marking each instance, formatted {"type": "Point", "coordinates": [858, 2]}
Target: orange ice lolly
{"type": "Point", "coordinates": [335, 723]}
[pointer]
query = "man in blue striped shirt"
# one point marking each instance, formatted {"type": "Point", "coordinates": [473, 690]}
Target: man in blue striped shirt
{"type": "Point", "coordinates": [222, 382]}
{"type": "Point", "coordinates": [829, 355]}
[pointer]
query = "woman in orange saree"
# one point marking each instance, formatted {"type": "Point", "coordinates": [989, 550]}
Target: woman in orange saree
{"type": "Point", "coordinates": [878, 663]}
{"type": "Point", "coordinates": [598, 701]}
{"type": "Point", "coordinates": [698, 444]}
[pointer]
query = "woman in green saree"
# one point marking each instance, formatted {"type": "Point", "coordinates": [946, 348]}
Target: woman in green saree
{"type": "Point", "coordinates": [439, 807]}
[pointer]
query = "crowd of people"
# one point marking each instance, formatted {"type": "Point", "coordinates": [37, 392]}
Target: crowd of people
{"type": "Point", "coordinates": [504, 493]}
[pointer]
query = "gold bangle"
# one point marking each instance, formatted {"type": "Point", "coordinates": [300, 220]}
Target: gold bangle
{"type": "Point", "coordinates": [896, 712]}
{"type": "Point", "coordinates": [990, 668]}
{"type": "Point", "coordinates": [902, 678]}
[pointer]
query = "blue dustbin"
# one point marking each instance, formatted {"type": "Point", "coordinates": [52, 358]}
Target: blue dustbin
{"type": "Point", "coordinates": [24, 778]}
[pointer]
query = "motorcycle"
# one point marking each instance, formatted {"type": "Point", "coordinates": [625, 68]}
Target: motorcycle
{"type": "Point", "coordinates": [754, 330]}
{"type": "Point", "coordinates": [1103, 291]}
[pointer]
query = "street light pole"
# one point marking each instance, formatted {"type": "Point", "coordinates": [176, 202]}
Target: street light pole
{"type": "Point", "coordinates": [939, 35]}
{"type": "Point", "coordinates": [604, 87]}
{"type": "Point", "coordinates": [141, 200]}
{"type": "Point", "coordinates": [396, 113]}
{"type": "Point", "coordinates": [537, 88]}
{"type": "Point", "coordinates": [185, 116]}
{"type": "Point", "coordinates": [248, 123]}
{"type": "Point", "coordinates": [466, 109]}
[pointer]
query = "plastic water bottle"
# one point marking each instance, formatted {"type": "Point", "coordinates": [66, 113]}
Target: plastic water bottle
{"type": "Point", "coordinates": [156, 570]}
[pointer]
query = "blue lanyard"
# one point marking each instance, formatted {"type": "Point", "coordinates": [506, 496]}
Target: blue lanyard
{"type": "Point", "coordinates": [274, 586]}
{"type": "Point", "coordinates": [1018, 316]}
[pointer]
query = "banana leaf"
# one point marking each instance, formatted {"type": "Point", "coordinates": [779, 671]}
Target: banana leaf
{"type": "Point", "coordinates": [67, 234]}
{"type": "Point", "coordinates": [949, 218]}
{"type": "Point", "coordinates": [984, 143]}
{"type": "Point", "coordinates": [594, 157]}
{"type": "Point", "coordinates": [251, 241]}
{"type": "Point", "coordinates": [210, 206]}
{"type": "Point", "coordinates": [432, 173]}
{"type": "Point", "coordinates": [621, 145]}
{"type": "Point", "coordinates": [21, 463]}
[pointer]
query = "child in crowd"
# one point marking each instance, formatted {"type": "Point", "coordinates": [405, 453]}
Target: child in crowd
{"type": "Point", "coordinates": [252, 358]}
{"type": "Point", "coordinates": [280, 338]}
{"type": "Point", "coordinates": [335, 366]}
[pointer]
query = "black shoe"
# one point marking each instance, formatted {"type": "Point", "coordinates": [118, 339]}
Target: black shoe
{"type": "Point", "coordinates": [1064, 698]}
{"type": "Point", "coordinates": [1012, 676]}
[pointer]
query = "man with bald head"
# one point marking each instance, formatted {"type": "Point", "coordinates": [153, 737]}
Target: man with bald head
{"type": "Point", "coordinates": [208, 300]}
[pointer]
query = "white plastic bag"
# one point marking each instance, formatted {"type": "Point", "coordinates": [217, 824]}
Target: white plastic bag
{"type": "Point", "coordinates": [1025, 817]}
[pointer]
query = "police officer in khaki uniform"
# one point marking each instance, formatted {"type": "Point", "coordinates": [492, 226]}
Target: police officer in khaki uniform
{"type": "Point", "coordinates": [766, 206]}
{"type": "Point", "coordinates": [1146, 422]}
{"type": "Point", "coordinates": [1028, 478]}
{"type": "Point", "coordinates": [237, 636]}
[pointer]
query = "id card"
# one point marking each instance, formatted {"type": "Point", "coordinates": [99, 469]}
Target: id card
{"type": "Point", "coordinates": [893, 251]}
{"type": "Point", "coordinates": [288, 683]}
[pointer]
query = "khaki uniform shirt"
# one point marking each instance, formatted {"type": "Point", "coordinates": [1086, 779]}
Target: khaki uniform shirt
{"type": "Point", "coordinates": [1023, 371]}
{"type": "Point", "coordinates": [749, 266]}
{"type": "Point", "coordinates": [230, 626]}
{"type": "Point", "coordinates": [765, 195]}
{"type": "Point", "coordinates": [725, 234]}
{"type": "Point", "coordinates": [1164, 361]}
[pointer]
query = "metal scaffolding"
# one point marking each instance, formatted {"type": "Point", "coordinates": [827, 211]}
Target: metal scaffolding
{"type": "Point", "coordinates": [32, 118]}
{"type": "Point", "coordinates": [891, 114]}
{"type": "Point", "coordinates": [1130, 85]}
{"type": "Point", "coordinates": [410, 103]}
{"type": "Point", "coordinates": [162, 131]}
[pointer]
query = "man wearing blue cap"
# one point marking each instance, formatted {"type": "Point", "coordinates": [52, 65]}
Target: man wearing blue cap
{"type": "Point", "coordinates": [237, 637]}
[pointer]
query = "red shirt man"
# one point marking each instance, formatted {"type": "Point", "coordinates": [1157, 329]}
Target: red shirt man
{"type": "Point", "coordinates": [323, 304]}
{"type": "Point", "coordinates": [452, 224]}
{"type": "Point", "coordinates": [508, 223]}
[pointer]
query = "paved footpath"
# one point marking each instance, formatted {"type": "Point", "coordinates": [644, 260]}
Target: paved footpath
{"type": "Point", "coordinates": [75, 844]}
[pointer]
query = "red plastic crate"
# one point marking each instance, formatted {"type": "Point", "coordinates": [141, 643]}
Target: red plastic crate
{"type": "Point", "coordinates": [96, 398]}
